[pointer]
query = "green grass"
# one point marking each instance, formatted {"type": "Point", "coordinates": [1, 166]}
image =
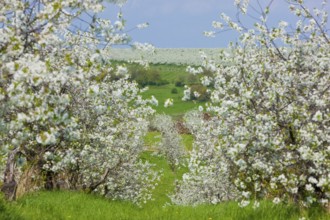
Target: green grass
{"type": "Point", "coordinates": [187, 140]}
{"type": "Point", "coordinates": [152, 139]}
{"type": "Point", "coordinates": [170, 72]}
{"type": "Point", "coordinates": [167, 183]}
{"type": "Point", "coordinates": [162, 93]}
{"type": "Point", "coordinates": [71, 205]}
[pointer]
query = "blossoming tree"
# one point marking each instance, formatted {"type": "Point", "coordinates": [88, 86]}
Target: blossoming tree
{"type": "Point", "coordinates": [271, 104]}
{"type": "Point", "coordinates": [64, 119]}
{"type": "Point", "coordinates": [171, 143]}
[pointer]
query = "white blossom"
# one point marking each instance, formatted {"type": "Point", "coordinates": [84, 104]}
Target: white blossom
{"type": "Point", "coordinates": [209, 33]}
{"type": "Point", "coordinates": [276, 200]}
{"type": "Point", "coordinates": [186, 93]}
{"type": "Point", "coordinates": [168, 102]}
{"type": "Point", "coordinates": [64, 105]}
{"type": "Point", "coordinates": [143, 25]}
{"type": "Point", "coordinates": [271, 107]}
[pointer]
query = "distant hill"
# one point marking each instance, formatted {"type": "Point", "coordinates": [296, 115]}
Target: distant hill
{"type": "Point", "coordinates": [181, 56]}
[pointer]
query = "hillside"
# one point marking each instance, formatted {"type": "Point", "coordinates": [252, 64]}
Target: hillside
{"type": "Point", "coordinates": [181, 56]}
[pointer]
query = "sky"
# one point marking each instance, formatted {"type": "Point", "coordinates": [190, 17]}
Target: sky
{"type": "Point", "coordinates": [181, 23]}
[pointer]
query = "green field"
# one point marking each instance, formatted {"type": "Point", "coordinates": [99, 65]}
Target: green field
{"type": "Point", "coordinates": [73, 205]}
{"type": "Point", "coordinates": [171, 73]}
{"type": "Point", "coordinates": [162, 93]}
{"type": "Point", "coordinates": [77, 205]}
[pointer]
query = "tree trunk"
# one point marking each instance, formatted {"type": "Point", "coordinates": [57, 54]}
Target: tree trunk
{"type": "Point", "coordinates": [9, 183]}
{"type": "Point", "coordinates": [49, 184]}
{"type": "Point", "coordinates": [93, 186]}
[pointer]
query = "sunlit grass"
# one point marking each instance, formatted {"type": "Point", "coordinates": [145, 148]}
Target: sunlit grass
{"type": "Point", "coordinates": [151, 140]}
{"type": "Point", "coordinates": [162, 93]}
{"type": "Point", "coordinates": [73, 205]}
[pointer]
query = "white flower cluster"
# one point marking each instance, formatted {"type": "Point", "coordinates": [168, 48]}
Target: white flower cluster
{"type": "Point", "coordinates": [193, 70]}
{"type": "Point", "coordinates": [143, 25]}
{"type": "Point", "coordinates": [168, 102]}
{"type": "Point", "coordinates": [186, 93]}
{"type": "Point", "coordinates": [269, 128]}
{"type": "Point", "coordinates": [208, 178]}
{"type": "Point", "coordinates": [144, 47]}
{"type": "Point", "coordinates": [60, 106]}
{"type": "Point", "coordinates": [209, 33]}
{"type": "Point", "coordinates": [242, 5]}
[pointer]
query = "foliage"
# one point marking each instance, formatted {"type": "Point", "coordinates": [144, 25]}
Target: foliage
{"type": "Point", "coordinates": [180, 82]}
{"type": "Point", "coordinates": [270, 114]}
{"type": "Point", "coordinates": [199, 93]}
{"type": "Point", "coordinates": [174, 91]}
{"type": "Point", "coordinates": [170, 72]}
{"type": "Point", "coordinates": [61, 112]}
{"type": "Point", "coordinates": [145, 77]}
{"type": "Point", "coordinates": [192, 79]}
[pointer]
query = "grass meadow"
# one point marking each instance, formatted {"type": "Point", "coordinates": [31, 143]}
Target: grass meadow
{"type": "Point", "coordinates": [171, 73]}
{"type": "Point", "coordinates": [162, 93]}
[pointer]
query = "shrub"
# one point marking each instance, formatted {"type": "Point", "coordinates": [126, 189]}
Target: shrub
{"type": "Point", "coordinates": [174, 91]}
{"type": "Point", "coordinates": [179, 84]}
{"type": "Point", "coordinates": [192, 79]}
{"type": "Point", "coordinates": [145, 77]}
{"type": "Point", "coordinates": [199, 92]}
